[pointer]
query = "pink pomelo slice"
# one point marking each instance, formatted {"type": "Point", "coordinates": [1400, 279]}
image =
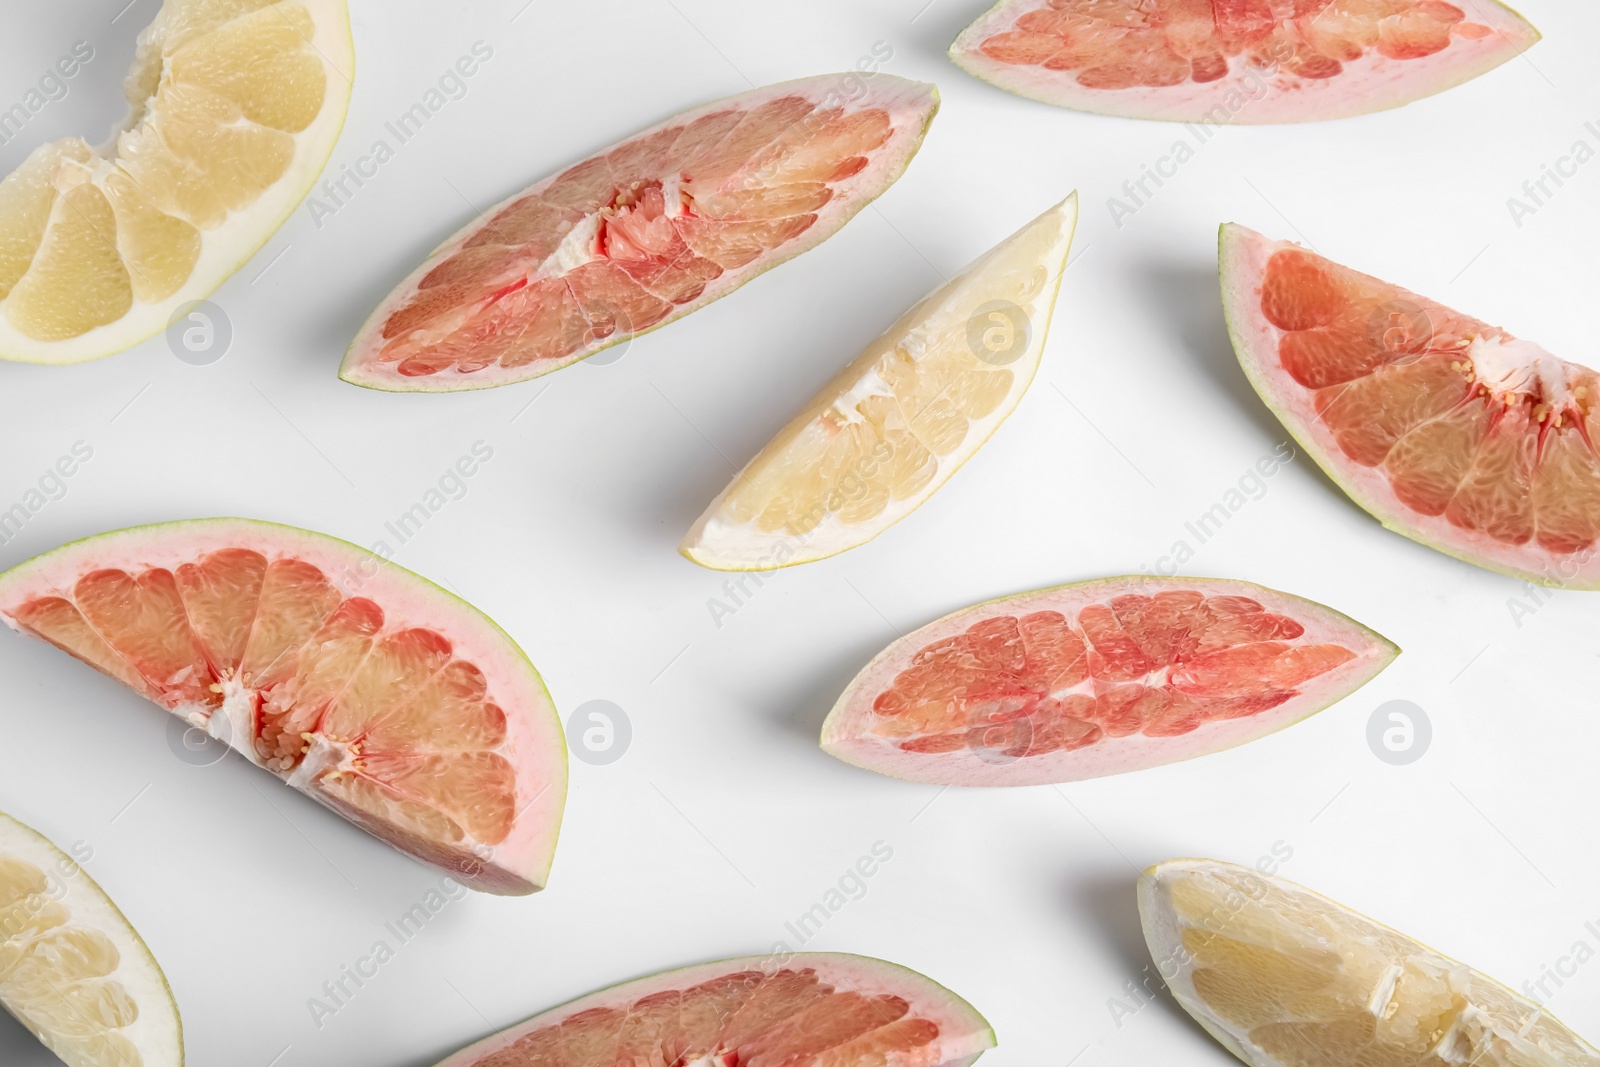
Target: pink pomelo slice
{"type": "Point", "coordinates": [643, 233]}
{"type": "Point", "coordinates": [1238, 61]}
{"type": "Point", "coordinates": [1098, 678]}
{"type": "Point", "coordinates": [807, 1009]}
{"type": "Point", "coordinates": [375, 692]}
{"type": "Point", "coordinates": [1449, 431]}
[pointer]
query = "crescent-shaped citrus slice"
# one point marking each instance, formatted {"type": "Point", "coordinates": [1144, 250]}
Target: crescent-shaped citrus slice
{"type": "Point", "coordinates": [794, 1009]}
{"type": "Point", "coordinates": [1284, 977]}
{"type": "Point", "coordinates": [1238, 61]}
{"type": "Point", "coordinates": [1448, 430]}
{"type": "Point", "coordinates": [899, 421]}
{"type": "Point", "coordinates": [236, 105]}
{"type": "Point", "coordinates": [644, 233]}
{"type": "Point", "coordinates": [72, 969]}
{"type": "Point", "coordinates": [368, 688]}
{"type": "Point", "coordinates": [1098, 678]}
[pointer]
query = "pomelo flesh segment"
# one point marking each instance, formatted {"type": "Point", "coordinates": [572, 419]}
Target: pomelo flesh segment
{"type": "Point", "coordinates": [1098, 678]}
{"type": "Point", "coordinates": [897, 423]}
{"type": "Point", "coordinates": [807, 1009]}
{"type": "Point", "coordinates": [1448, 430]}
{"type": "Point", "coordinates": [1284, 977]}
{"type": "Point", "coordinates": [1238, 61]}
{"type": "Point", "coordinates": [235, 107]}
{"type": "Point", "coordinates": [643, 233]}
{"type": "Point", "coordinates": [72, 969]}
{"type": "Point", "coordinates": [395, 704]}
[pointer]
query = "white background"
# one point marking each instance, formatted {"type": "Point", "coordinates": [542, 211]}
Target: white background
{"type": "Point", "coordinates": [724, 820]}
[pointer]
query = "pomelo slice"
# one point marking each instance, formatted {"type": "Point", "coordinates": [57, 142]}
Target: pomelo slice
{"type": "Point", "coordinates": [806, 1009]}
{"type": "Point", "coordinates": [1098, 678]}
{"type": "Point", "coordinates": [1448, 430]}
{"type": "Point", "coordinates": [642, 234]}
{"type": "Point", "coordinates": [1238, 61]}
{"type": "Point", "coordinates": [72, 970]}
{"type": "Point", "coordinates": [236, 105]}
{"type": "Point", "coordinates": [897, 423]}
{"type": "Point", "coordinates": [368, 688]}
{"type": "Point", "coordinates": [1284, 977]}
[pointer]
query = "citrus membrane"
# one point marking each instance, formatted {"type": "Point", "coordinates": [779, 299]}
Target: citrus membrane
{"type": "Point", "coordinates": [235, 108]}
{"type": "Point", "coordinates": [898, 422]}
{"type": "Point", "coordinates": [1098, 678]}
{"type": "Point", "coordinates": [388, 700]}
{"type": "Point", "coordinates": [1238, 61]}
{"type": "Point", "coordinates": [1284, 977]}
{"type": "Point", "coordinates": [644, 233]}
{"type": "Point", "coordinates": [1448, 430]}
{"type": "Point", "coordinates": [72, 970]}
{"type": "Point", "coordinates": [806, 1009]}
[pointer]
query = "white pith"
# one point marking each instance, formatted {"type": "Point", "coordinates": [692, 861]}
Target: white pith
{"type": "Point", "coordinates": [534, 742]}
{"type": "Point", "coordinates": [911, 107]}
{"type": "Point", "coordinates": [1481, 1031]}
{"type": "Point", "coordinates": [720, 541]}
{"type": "Point", "coordinates": [964, 1035]}
{"type": "Point", "coordinates": [228, 247]}
{"type": "Point", "coordinates": [849, 733]}
{"type": "Point", "coordinates": [1249, 97]}
{"type": "Point", "coordinates": [157, 1032]}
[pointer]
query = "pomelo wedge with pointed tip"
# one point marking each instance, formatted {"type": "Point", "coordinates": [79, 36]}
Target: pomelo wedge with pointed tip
{"type": "Point", "coordinates": [235, 108]}
{"type": "Point", "coordinates": [1448, 430]}
{"type": "Point", "coordinates": [644, 233]}
{"type": "Point", "coordinates": [897, 423]}
{"type": "Point", "coordinates": [819, 1009]}
{"type": "Point", "coordinates": [1284, 977]}
{"type": "Point", "coordinates": [1098, 678]}
{"type": "Point", "coordinates": [1238, 61]}
{"type": "Point", "coordinates": [373, 691]}
{"type": "Point", "coordinates": [72, 968]}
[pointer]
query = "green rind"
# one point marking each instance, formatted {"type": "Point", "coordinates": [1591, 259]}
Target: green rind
{"type": "Point", "coordinates": [957, 56]}
{"type": "Point", "coordinates": [21, 571]}
{"type": "Point", "coordinates": [1331, 467]}
{"type": "Point", "coordinates": [1049, 322]}
{"type": "Point", "coordinates": [310, 184]}
{"type": "Point", "coordinates": [345, 367]}
{"type": "Point", "coordinates": [835, 718]}
{"type": "Point", "coordinates": [138, 940]}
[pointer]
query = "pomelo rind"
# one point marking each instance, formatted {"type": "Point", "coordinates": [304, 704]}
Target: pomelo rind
{"type": "Point", "coordinates": [871, 680]}
{"type": "Point", "coordinates": [925, 995]}
{"type": "Point", "coordinates": [368, 338]}
{"type": "Point", "coordinates": [1240, 302]}
{"type": "Point", "coordinates": [217, 261]}
{"type": "Point", "coordinates": [1515, 33]}
{"type": "Point", "coordinates": [93, 908]}
{"type": "Point", "coordinates": [1160, 938]}
{"type": "Point", "coordinates": [518, 866]}
{"type": "Point", "coordinates": [689, 550]}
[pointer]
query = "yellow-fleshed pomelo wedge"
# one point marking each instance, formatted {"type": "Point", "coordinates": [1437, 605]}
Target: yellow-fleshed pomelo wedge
{"type": "Point", "coordinates": [1284, 977]}
{"type": "Point", "coordinates": [235, 108]}
{"type": "Point", "coordinates": [72, 969]}
{"type": "Point", "coordinates": [897, 423]}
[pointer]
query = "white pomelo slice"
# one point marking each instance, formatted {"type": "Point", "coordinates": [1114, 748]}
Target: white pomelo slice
{"type": "Point", "coordinates": [899, 421]}
{"type": "Point", "coordinates": [644, 233]}
{"type": "Point", "coordinates": [1097, 678]}
{"type": "Point", "coordinates": [1284, 977]}
{"type": "Point", "coordinates": [1238, 61]}
{"type": "Point", "coordinates": [375, 692]}
{"type": "Point", "coordinates": [236, 105]}
{"type": "Point", "coordinates": [817, 1009]}
{"type": "Point", "coordinates": [72, 969]}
